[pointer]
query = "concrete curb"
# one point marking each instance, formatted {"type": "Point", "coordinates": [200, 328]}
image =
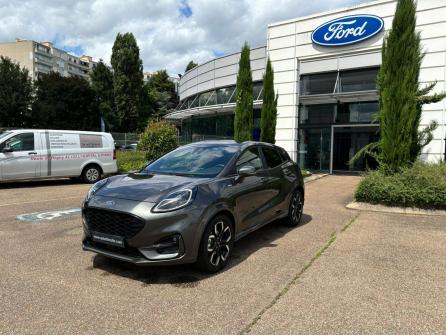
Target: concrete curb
{"type": "Point", "coordinates": [363, 206]}
{"type": "Point", "coordinates": [314, 177]}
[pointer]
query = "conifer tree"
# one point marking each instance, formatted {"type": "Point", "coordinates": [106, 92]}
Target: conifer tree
{"type": "Point", "coordinates": [243, 118]}
{"type": "Point", "coordinates": [400, 96]}
{"type": "Point", "coordinates": [269, 107]}
{"type": "Point", "coordinates": [127, 81]}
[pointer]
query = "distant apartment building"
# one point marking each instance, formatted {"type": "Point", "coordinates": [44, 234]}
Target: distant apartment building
{"type": "Point", "coordinates": [175, 80]}
{"type": "Point", "coordinates": [43, 57]}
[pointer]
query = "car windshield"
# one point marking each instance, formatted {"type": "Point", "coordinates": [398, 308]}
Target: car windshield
{"type": "Point", "coordinates": [194, 160]}
{"type": "Point", "coordinates": [4, 134]}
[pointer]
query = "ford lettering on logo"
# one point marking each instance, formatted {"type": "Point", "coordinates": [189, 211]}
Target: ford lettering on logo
{"type": "Point", "coordinates": [347, 30]}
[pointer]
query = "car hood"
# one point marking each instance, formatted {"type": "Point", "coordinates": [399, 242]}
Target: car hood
{"type": "Point", "coordinates": [145, 187]}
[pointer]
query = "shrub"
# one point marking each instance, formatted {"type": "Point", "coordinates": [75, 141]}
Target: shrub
{"type": "Point", "coordinates": [130, 160]}
{"type": "Point", "coordinates": [422, 185]}
{"type": "Point", "coordinates": [158, 139]}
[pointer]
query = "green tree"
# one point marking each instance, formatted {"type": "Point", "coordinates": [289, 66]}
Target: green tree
{"type": "Point", "coordinates": [101, 79]}
{"type": "Point", "coordinates": [191, 65]}
{"type": "Point", "coordinates": [16, 92]}
{"type": "Point", "coordinates": [162, 92]}
{"type": "Point", "coordinates": [243, 118]}
{"type": "Point", "coordinates": [400, 96]}
{"type": "Point", "coordinates": [269, 107]}
{"type": "Point", "coordinates": [127, 81]}
{"type": "Point", "coordinates": [65, 103]}
{"type": "Point", "coordinates": [158, 139]}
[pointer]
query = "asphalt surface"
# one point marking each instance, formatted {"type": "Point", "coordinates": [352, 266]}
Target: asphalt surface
{"type": "Point", "coordinates": [378, 273]}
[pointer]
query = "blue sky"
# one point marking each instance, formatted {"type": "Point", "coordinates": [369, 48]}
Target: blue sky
{"type": "Point", "coordinates": [169, 33]}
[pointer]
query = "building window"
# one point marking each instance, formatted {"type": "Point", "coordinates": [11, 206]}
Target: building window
{"type": "Point", "coordinates": [226, 95]}
{"type": "Point", "coordinates": [321, 83]}
{"type": "Point", "coordinates": [358, 80]}
{"type": "Point", "coordinates": [358, 112]}
{"type": "Point", "coordinates": [339, 82]}
{"type": "Point", "coordinates": [317, 114]}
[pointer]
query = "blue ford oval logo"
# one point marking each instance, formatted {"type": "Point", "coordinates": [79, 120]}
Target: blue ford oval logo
{"type": "Point", "coordinates": [347, 30]}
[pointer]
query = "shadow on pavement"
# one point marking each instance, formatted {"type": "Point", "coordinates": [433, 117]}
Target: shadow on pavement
{"type": "Point", "coordinates": [40, 183]}
{"type": "Point", "coordinates": [187, 276]}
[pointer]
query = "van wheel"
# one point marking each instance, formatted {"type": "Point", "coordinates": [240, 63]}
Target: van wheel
{"type": "Point", "coordinates": [91, 174]}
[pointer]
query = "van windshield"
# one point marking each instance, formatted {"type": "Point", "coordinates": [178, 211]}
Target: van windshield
{"type": "Point", "coordinates": [4, 134]}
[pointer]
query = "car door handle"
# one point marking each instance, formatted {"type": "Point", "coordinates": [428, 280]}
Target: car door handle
{"type": "Point", "coordinates": [32, 153]}
{"type": "Point", "coordinates": [263, 179]}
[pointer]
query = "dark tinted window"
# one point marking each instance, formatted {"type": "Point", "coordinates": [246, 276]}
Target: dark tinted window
{"type": "Point", "coordinates": [21, 142]}
{"type": "Point", "coordinates": [194, 160]}
{"type": "Point", "coordinates": [317, 114]}
{"type": "Point", "coordinates": [250, 157]}
{"type": "Point", "coordinates": [272, 157]}
{"type": "Point", "coordinates": [321, 83]}
{"type": "Point", "coordinates": [358, 80]}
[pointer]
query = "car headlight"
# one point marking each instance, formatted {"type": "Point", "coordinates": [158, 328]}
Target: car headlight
{"type": "Point", "coordinates": [175, 200]}
{"type": "Point", "coordinates": [95, 188]}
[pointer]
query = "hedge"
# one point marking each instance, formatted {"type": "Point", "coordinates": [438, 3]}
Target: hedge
{"type": "Point", "coordinates": [423, 185]}
{"type": "Point", "coordinates": [130, 160]}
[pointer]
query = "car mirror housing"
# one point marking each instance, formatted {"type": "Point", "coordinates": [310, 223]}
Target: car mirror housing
{"type": "Point", "coordinates": [246, 170]}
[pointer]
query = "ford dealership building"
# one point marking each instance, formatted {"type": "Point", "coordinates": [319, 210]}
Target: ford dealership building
{"type": "Point", "coordinates": [325, 68]}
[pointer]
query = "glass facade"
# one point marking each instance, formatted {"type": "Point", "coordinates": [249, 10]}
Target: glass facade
{"type": "Point", "coordinates": [218, 126]}
{"type": "Point", "coordinates": [219, 96]}
{"type": "Point", "coordinates": [345, 81]}
{"type": "Point", "coordinates": [331, 133]}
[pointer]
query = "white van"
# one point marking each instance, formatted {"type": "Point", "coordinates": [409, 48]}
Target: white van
{"type": "Point", "coordinates": [31, 153]}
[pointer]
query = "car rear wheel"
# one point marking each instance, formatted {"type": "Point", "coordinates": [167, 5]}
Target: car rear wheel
{"type": "Point", "coordinates": [216, 245]}
{"type": "Point", "coordinates": [91, 174]}
{"type": "Point", "coordinates": [296, 209]}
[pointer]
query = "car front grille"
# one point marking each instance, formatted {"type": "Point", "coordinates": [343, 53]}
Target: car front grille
{"type": "Point", "coordinates": [113, 223]}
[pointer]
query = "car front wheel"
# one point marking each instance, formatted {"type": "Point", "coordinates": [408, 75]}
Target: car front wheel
{"type": "Point", "coordinates": [216, 245]}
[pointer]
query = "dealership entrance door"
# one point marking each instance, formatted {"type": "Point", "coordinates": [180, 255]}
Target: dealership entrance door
{"type": "Point", "coordinates": [346, 141]}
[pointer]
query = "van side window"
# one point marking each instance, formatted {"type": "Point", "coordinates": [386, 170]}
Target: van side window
{"type": "Point", "coordinates": [90, 141]}
{"type": "Point", "coordinates": [272, 157]}
{"type": "Point", "coordinates": [20, 142]}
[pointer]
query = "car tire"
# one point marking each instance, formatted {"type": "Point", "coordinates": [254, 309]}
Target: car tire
{"type": "Point", "coordinates": [295, 211]}
{"type": "Point", "coordinates": [91, 174]}
{"type": "Point", "coordinates": [216, 245]}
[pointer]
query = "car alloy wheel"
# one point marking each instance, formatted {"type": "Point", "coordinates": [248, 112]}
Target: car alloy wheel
{"type": "Point", "coordinates": [296, 209]}
{"type": "Point", "coordinates": [217, 244]}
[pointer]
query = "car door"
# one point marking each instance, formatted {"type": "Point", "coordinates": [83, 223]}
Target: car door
{"type": "Point", "coordinates": [18, 157]}
{"type": "Point", "coordinates": [276, 182]}
{"type": "Point", "coordinates": [251, 197]}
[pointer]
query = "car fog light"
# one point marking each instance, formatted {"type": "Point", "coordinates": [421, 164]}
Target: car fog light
{"type": "Point", "coordinates": [167, 248]}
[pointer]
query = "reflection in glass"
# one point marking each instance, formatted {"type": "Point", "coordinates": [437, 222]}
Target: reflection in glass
{"type": "Point", "coordinates": [358, 112]}
{"type": "Point", "coordinates": [321, 83]}
{"type": "Point", "coordinates": [358, 80]}
{"type": "Point", "coordinates": [317, 114]}
{"type": "Point", "coordinates": [314, 148]}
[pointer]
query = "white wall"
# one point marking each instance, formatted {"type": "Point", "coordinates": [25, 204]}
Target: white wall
{"type": "Point", "coordinates": [291, 51]}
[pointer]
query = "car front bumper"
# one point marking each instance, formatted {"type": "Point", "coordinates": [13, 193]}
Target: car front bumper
{"type": "Point", "coordinates": [150, 245]}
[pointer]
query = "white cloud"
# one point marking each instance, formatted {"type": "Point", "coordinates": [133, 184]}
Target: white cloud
{"type": "Point", "coordinates": [167, 39]}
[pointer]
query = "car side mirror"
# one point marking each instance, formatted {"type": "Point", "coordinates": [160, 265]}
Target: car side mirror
{"type": "Point", "coordinates": [7, 149]}
{"type": "Point", "coordinates": [246, 170]}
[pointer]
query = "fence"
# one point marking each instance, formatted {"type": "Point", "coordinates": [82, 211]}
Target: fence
{"type": "Point", "coordinates": [122, 139]}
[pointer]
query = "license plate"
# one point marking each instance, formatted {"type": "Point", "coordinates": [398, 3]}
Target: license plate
{"type": "Point", "coordinates": [116, 241]}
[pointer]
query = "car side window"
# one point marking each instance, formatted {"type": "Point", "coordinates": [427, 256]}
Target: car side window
{"type": "Point", "coordinates": [21, 142]}
{"type": "Point", "coordinates": [250, 157]}
{"type": "Point", "coordinates": [272, 157]}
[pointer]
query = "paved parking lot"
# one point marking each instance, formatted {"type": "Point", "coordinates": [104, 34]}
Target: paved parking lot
{"type": "Point", "coordinates": [378, 273]}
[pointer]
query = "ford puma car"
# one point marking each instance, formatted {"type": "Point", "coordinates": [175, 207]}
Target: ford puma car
{"type": "Point", "coordinates": [192, 204]}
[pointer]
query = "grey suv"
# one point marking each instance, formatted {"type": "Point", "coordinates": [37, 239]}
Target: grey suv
{"type": "Point", "coordinates": [192, 204]}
